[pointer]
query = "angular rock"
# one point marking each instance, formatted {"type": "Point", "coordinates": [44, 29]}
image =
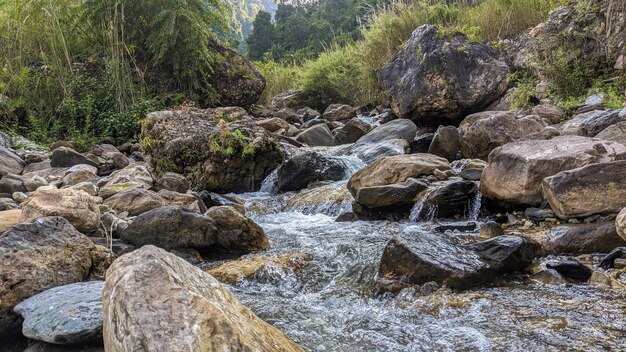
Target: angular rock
{"type": "Point", "coordinates": [135, 201]}
{"type": "Point", "coordinates": [273, 124]}
{"type": "Point", "coordinates": [47, 347]}
{"type": "Point", "coordinates": [78, 207]}
{"type": "Point", "coordinates": [435, 79]}
{"type": "Point", "coordinates": [395, 129]}
{"type": "Point", "coordinates": [351, 132]}
{"type": "Point", "coordinates": [34, 257]}
{"type": "Point", "coordinates": [615, 133]}
{"type": "Point", "coordinates": [297, 172]}
{"type": "Point", "coordinates": [75, 177]}
{"type": "Point", "coordinates": [338, 112]}
{"type": "Point", "coordinates": [68, 314]}
{"type": "Point", "coordinates": [237, 233]}
{"type": "Point", "coordinates": [182, 309]}
{"type": "Point", "coordinates": [187, 200]}
{"type": "Point", "coordinates": [68, 157]}
{"type": "Point", "coordinates": [131, 177]}
{"type": "Point", "coordinates": [516, 170]}
{"type": "Point", "coordinates": [211, 153]}
{"type": "Point", "coordinates": [34, 182]}
{"type": "Point", "coordinates": [485, 131]}
{"type": "Point", "coordinates": [171, 228]}
{"type": "Point", "coordinates": [236, 270]}
{"type": "Point", "coordinates": [415, 259]}
{"type": "Point", "coordinates": [316, 136]}
{"type": "Point", "coordinates": [10, 163]}
{"type": "Point", "coordinates": [591, 123]}
{"type": "Point", "coordinates": [291, 99]}
{"type": "Point", "coordinates": [445, 143]}
{"type": "Point", "coordinates": [589, 190]}
{"type": "Point", "coordinates": [571, 269]}
{"type": "Point", "coordinates": [583, 239]}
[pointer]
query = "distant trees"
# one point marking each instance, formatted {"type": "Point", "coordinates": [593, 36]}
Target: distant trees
{"type": "Point", "coordinates": [262, 37]}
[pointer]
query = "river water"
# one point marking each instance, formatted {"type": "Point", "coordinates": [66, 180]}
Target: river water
{"type": "Point", "coordinates": [329, 305]}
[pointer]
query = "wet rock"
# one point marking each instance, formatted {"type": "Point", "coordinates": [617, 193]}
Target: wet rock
{"type": "Point", "coordinates": [410, 259]}
{"type": "Point", "coordinates": [450, 200]}
{"type": "Point", "coordinates": [171, 227]}
{"type": "Point", "coordinates": [347, 217]}
{"type": "Point", "coordinates": [180, 306]}
{"type": "Point", "coordinates": [131, 177]}
{"type": "Point", "coordinates": [351, 132]}
{"type": "Point", "coordinates": [456, 226]}
{"type": "Point", "coordinates": [234, 271]}
{"type": "Point", "coordinates": [539, 215]}
{"type": "Point", "coordinates": [584, 238]}
{"type": "Point", "coordinates": [69, 314]}
{"type": "Point", "coordinates": [8, 219]}
{"type": "Point", "coordinates": [608, 261]}
{"type": "Point", "coordinates": [485, 131]}
{"type": "Point", "coordinates": [237, 233]}
{"type": "Point", "coordinates": [370, 152]}
{"type": "Point", "coordinates": [516, 170]}
{"type": "Point", "coordinates": [421, 143]}
{"type": "Point", "coordinates": [316, 136]}
{"type": "Point", "coordinates": [68, 157]}
{"type": "Point", "coordinates": [591, 123]}
{"type": "Point", "coordinates": [436, 78]}
{"type": "Point", "coordinates": [571, 269]}
{"type": "Point", "coordinates": [297, 172]}
{"type": "Point", "coordinates": [218, 156]}
{"type": "Point", "coordinates": [445, 143]}
{"type": "Point", "coordinates": [338, 112]}
{"type": "Point", "coordinates": [328, 199]}
{"type": "Point", "coordinates": [10, 163]}
{"type": "Point", "coordinates": [78, 207]}
{"type": "Point", "coordinates": [135, 201]}
{"type": "Point", "coordinates": [401, 193]}
{"type": "Point", "coordinates": [10, 184]}
{"type": "Point", "coordinates": [490, 229]}
{"type": "Point", "coordinates": [616, 133]}
{"type": "Point", "coordinates": [397, 129]}
{"type": "Point", "coordinates": [589, 190]}
{"type": "Point", "coordinates": [34, 257]}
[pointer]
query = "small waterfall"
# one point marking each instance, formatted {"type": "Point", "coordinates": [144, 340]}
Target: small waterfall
{"type": "Point", "coordinates": [475, 205]}
{"type": "Point", "coordinates": [269, 183]}
{"type": "Point", "coordinates": [418, 208]}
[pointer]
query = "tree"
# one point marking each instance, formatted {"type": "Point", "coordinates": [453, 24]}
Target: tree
{"type": "Point", "coordinates": [262, 37]}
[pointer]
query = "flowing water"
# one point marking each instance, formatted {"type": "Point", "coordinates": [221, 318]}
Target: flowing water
{"type": "Point", "coordinates": [329, 305]}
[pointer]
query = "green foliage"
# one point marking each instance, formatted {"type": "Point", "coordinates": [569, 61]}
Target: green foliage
{"type": "Point", "coordinates": [279, 78]}
{"type": "Point", "coordinates": [524, 91]}
{"type": "Point", "coordinates": [227, 142]}
{"type": "Point", "coordinates": [262, 37]}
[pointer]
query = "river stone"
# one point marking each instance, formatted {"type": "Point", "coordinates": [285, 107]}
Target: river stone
{"type": "Point", "coordinates": [589, 190]}
{"type": "Point", "coordinates": [445, 143]}
{"type": "Point", "coordinates": [591, 123]}
{"type": "Point", "coordinates": [237, 233]}
{"type": "Point", "coordinates": [437, 79]}
{"type": "Point", "coordinates": [351, 131]}
{"type": "Point", "coordinates": [415, 259]}
{"type": "Point", "coordinates": [516, 170]}
{"type": "Point", "coordinates": [67, 314]}
{"type": "Point", "coordinates": [616, 133]}
{"type": "Point", "coordinates": [297, 172]}
{"type": "Point", "coordinates": [68, 157]}
{"type": "Point", "coordinates": [316, 136]}
{"type": "Point", "coordinates": [135, 201]}
{"type": "Point", "coordinates": [583, 238]}
{"type": "Point", "coordinates": [451, 199]}
{"type": "Point", "coordinates": [171, 228]}
{"type": "Point", "coordinates": [155, 301]}
{"type": "Point", "coordinates": [395, 129]}
{"type": "Point", "coordinates": [172, 181]}
{"type": "Point", "coordinates": [485, 131]}
{"type": "Point", "coordinates": [11, 183]}
{"type": "Point", "coordinates": [187, 200]}
{"type": "Point", "coordinates": [402, 193]}
{"type": "Point", "coordinates": [370, 152]}
{"type": "Point", "coordinates": [34, 257]}
{"type": "Point", "coordinates": [10, 163]}
{"type": "Point", "coordinates": [8, 219]}
{"type": "Point", "coordinates": [395, 169]}
{"type": "Point", "coordinates": [78, 207]}
{"type": "Point", "coordinates": [131, 177]}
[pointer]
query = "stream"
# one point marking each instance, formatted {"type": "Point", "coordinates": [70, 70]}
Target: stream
{"type": "Point", "coordinates": [329, 305]}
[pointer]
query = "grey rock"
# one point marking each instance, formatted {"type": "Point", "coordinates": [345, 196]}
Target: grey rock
{"type": "Point", "coordinates": [396, 129]}
{"type": "Point", "coordinates": [316, 136]}
{"type": "Point", "coordinates": [584, 238]}
{"type": "Point", "coordinates": [10, 163]}
{"type": "Point", "coordinates": [446, 142]}
{"type": "Point", "coordinates": [68, 157]}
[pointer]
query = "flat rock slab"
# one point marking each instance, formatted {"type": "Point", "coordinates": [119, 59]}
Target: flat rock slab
{"type": "Point", "coordinates": [64, 315]}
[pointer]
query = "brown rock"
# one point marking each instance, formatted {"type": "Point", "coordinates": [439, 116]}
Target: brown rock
{"type": "Point", "coordinates": [236, 232]}
{"type": "Point", "coordinates": [135, 201]}
{"type": "Point", "coordinates": [8, 219]}
{"type": "Point", "coordinates": [78, 207]}
{"type": "Point", "coordinates": [234, 271]}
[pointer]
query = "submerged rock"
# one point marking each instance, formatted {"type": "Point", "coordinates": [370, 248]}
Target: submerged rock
{"type": "Point", "coordinates": [297, 172]}
{"type": "Point", "coordinates": [155, 301]}
{"type": "Point", "coordinates": [415, 259]}
{"type": "Point", "coordinates": [234, 271]}
{"type": "Point", "coordinates": [69, 314]}
{"type": "Point", "coordinates": [437, 79]}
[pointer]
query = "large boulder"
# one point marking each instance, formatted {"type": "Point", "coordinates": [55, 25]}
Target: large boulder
{"type": "Point", "coordinates": [316, 136]}
{"type": "Point", "coordinates": [485, 131]}
{"type": "Point", "coordinates": [135, 201]}
{"type": "Point", "coordinates": [236, 233]}
{"type": "Point", "coordinates": [415, 259]}
{"type": "Point", "coordinates": [211, 152]}
{"type": "Point", "coordinates": [616, 133]}
{"type": "Point", "coordinates": [589, 190]}
{"type": "Point", "coordinates": [68, 314]}
{"type": "Point", "coordinates": [297, 172]}
{"type": "Point", "coordinates": [131, 177]}
{"type": "Point", "coordinates": [78, 207]}
{"type": "Point", "coordinates": [235, 79]}
{"type": "Point", "coordinates": [583, 239]}
{"type": "Point", "coordinates": [68, 157]}
{"type": "Point", "coordinates": [171, 228]}
{"type": "Point", "coordinates": [34, 257]}
{"type": "Point", "coordinates": [437, 79]}
{"type": "Point", "coordinates": [515, 171]}
{"type": "Point", "coordinates": [10, 163]}
{"type": "Point", "coordinates": [395, 129]}
{"type": "Point", "coordinates": [155, 301]}
{"type": "Point", "coordinates": [591, 123]}
{"type": "Point", "coordinates": [445, 143]}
